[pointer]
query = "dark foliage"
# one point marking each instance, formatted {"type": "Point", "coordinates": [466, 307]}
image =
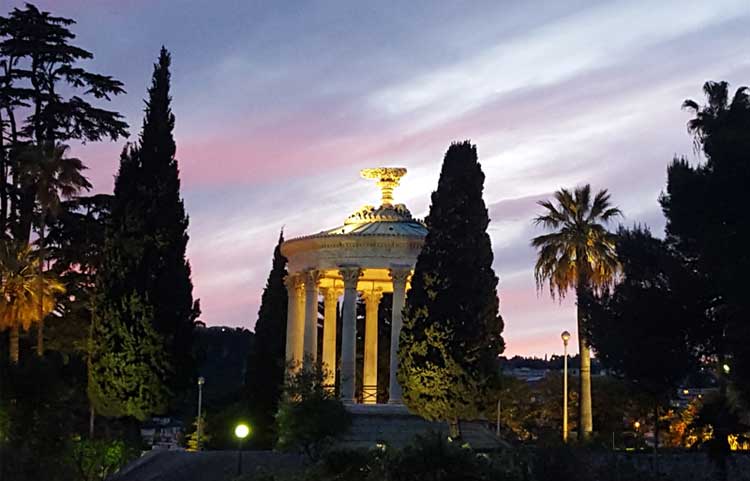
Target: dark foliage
{"type": "Point", "coordinates": [451, 335]}
{"type": "Point", "coordinates": [641, 329]}
{"type": "Point", "coordinates": [45, 99]}
{"type": "Point", "coordinates": [42, 408]}
{"type": "Point", "coordinates": [267, 363]}
{"type": "Point", "coordinates": [145, 314]}
{"type": "Point", "coordinates": [310, 417]}
{"type": "Point", "coordinates": [708, 225]}
{"type": "Point", "coordinates": [75, 241]}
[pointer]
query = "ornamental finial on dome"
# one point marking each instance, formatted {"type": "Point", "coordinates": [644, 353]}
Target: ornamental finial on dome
{"type": "Point", "coordinates": [387, 178]}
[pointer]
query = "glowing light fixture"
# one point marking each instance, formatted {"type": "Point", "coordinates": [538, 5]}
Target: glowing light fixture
{"type": "Point", "coordinates": [565, 336]}
{"type": "Point", "coordinates": [241, 431]}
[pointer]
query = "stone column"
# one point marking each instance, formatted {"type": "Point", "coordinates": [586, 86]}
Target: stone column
{"type": "Point", "coordinates": [312, 277]}
{"type": "Point", "coordinates": [399, 275]}
{"type": "Point", "coordinates": [370, 374]}
{"type": "Point", "coordinates": [292, 282]}
{"type": "Point", "coordinates": [330, 297]}
{"type": "Point", "coordinates": [349, 332]}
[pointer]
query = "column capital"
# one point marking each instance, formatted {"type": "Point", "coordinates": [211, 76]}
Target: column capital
{"type": "Point", "coordinates": [312, 278]}
{"type": "Point", "coordinates": [351, 275]}
{"type": "Point", "coordinates": [372, 296]}
{"type": "Point", "coordinates": [332, 294]}
{"type": "Point", "coordinates": [400, 273]}
{"type": "Point", "coordinates": [292, 281]}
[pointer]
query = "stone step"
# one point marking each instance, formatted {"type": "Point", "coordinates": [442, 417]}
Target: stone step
{"type": "Point", "coordinates": [394, 425]}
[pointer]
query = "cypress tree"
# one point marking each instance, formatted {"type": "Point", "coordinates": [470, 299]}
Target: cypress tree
{"type": "Point", "coordinates": [144, 302]}
{"type": "Point", "coordinates": [128, 362]}
{"type": "Point", "coordinates": [165, 271]}
{"type": "Point", "coordinates": [267, 362]}
{"type": "Point", "coordinates": [451, 334]}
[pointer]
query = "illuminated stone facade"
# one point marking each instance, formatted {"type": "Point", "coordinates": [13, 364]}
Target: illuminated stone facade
{"type": "Point", "coordinates": [373, 253]}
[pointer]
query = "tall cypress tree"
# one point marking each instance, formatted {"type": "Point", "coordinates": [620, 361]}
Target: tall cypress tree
{"type": "Point", "coordinates": [451, 334]}
{"type": "Point", "coordinates": [128, 362]}
{"type": "Point", "coordinates": [165, 271]}
{"type": "Point", "coordinates": [266, 364]}
{"type": "Point", "coordinates": [145, 290]}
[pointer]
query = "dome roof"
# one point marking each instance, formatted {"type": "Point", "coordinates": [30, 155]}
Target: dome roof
{"type": "Point", "coordinates": [387, 220]}
{"type": "Point", "coordinates": [373, 238]}
{"type": "Point", "coordinates": [391, 220]}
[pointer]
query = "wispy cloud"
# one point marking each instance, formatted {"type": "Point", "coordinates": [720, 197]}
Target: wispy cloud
{"type": "Point", "coordinates": [280, 104]}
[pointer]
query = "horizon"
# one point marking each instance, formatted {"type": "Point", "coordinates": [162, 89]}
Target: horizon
{"type": "Point", "coordinates": [292, 102]}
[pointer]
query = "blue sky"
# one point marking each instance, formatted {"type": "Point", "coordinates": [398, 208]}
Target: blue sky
{"type": "Point", "coordinates": [279, 104]}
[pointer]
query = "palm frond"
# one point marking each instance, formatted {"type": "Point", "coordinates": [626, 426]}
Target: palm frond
{"type": "Point", "coordinates": [580, 249]}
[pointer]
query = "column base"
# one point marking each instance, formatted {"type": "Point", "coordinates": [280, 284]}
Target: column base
{"type": "Point", "coordinates": [396, 402]}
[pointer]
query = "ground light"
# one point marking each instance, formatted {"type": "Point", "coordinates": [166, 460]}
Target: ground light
{"type": "Point", "coordinates": [241, 431]}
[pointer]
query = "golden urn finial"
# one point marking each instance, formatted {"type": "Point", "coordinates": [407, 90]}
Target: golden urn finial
{"type": "Point", "coordinates": [387, 178]}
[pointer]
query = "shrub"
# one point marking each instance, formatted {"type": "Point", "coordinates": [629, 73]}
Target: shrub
{"type": "Point", "coordinates": [433, 458]}
{"type": "Point", "coordinates": [309, 417]}
{"type": "Point", "coordinates": [95, 460]}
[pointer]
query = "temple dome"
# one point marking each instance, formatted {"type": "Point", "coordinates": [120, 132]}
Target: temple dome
{"type": "Point", "coordinates": [390, 220]}
{"type": "Point", "coordinates": [386, 220]}
{"type": "Point", "coordinates": [374, 238]}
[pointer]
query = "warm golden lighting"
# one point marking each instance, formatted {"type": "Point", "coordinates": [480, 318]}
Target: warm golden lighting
{"type": "Point", "coordinates": [565, 336]}
{"type": "Point", "coordinates": [637, 425]}
{"type": "Point", "coordinates": [685, 391]}
{"type": "Point", "coordinates": [388, 179]}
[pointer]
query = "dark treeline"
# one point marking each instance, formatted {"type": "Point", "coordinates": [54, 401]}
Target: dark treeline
{"type": "Point", "coordinates": [97, 308]}
{"type": "Point", "coordinates": [680, 306]}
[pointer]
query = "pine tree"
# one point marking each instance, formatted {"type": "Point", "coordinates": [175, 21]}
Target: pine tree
{"type": "Point", "coordinates": [45, 95]}
{"type": "Point", "coordinates": [266, 366]}
{"type": "Point", "coordinates": [451, 334]}
{"type": "Point", "coordinates": [144, 313]}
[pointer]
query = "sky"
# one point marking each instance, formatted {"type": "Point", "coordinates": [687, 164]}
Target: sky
{"type": "Point", "coordinates": [280, 104]}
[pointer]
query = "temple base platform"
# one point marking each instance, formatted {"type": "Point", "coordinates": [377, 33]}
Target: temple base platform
{"type": "Point", "coordinates": [392, 425]}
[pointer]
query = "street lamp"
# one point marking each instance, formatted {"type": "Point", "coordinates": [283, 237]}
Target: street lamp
{"type": "Point", "coordinates": [499, 404]}
{"type": "Point", "coordinates": [565, 338]}
{"type": "Point", "coordinates": [241, 431]}
{"type": "Point", "coordinates": [199, 427]}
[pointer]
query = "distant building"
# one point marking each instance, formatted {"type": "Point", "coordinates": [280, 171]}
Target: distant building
{"type": "Point", "coordinates": [530, 374]}
{"type": "Point", "coordinates": [162, 433]}
{"type": "Point", "coordinates": [685, 395]}
{"type": "Point", "coordinates": [526, 374]}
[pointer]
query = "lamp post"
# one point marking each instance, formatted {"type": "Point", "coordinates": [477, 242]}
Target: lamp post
{"type": "Point", "coordinates": [199, 427]}
{"type": "Point", "coordinates": [499, 400]}
{"type": "Point", "coordinates": [565, 338]}
{"type": "Point", "coordinates": [241, 431]}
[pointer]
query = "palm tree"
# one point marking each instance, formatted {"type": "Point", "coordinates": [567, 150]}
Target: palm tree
{"type": "Point", "coordinates": [20, 293]}
{"type": "Point", "coordinates": [580, 255]}
{"type": "Point", "coordinates": [712, 118]}
{"type": "Point", "coordinates": [48, 172]}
